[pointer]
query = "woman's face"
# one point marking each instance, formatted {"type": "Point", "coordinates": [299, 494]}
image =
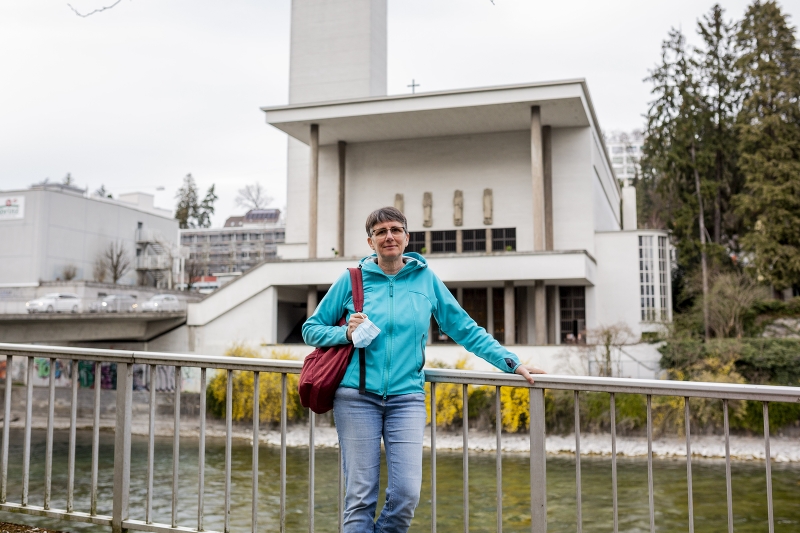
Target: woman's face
{"type": "Point", "coordinates": [389, 240]}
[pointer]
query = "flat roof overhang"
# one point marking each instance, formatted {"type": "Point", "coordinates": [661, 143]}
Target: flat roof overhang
{"type": "Point", "coordinates": [437, 114]}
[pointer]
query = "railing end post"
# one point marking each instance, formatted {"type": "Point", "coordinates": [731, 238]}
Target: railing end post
{"type": "Point", "coordinates": [538, 461]}
{"type": "Point", "coordinates": [122, 447]}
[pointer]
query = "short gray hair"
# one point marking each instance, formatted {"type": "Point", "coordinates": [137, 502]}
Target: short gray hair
{"type": "Point", "coordinates": [385, 214]}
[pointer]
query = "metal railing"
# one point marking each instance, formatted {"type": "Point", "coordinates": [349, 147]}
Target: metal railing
{"type": "Point", "coordinates": [120, 518]}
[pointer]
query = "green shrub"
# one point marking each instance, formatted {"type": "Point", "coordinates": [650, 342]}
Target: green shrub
{"type": "Point", "coordinates": [762, 361]}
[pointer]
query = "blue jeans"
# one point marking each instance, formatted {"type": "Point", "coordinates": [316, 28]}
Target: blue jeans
{"type": "Point", "coordinates": [361, 421]}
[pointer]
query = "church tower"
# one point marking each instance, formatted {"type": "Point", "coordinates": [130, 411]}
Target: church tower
{"type": "Point", "coordinates": [338, 51]}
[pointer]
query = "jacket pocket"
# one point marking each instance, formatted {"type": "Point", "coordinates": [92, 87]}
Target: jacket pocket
{"type": "Point", "coordinates": [422, 350]}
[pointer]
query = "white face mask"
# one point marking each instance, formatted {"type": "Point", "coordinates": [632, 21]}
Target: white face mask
{"type": "Point", "coordinates": [365, 333]}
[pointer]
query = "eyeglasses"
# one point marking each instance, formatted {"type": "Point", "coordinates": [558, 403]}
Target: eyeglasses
{"type": "Point", "coordinates": [381, 233]}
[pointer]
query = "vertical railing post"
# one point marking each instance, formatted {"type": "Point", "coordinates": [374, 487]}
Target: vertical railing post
{"type": "Point", "coordinates": [122, 446]}
{"type": "Point", "coordinates": [6, 425]}
{"type": "Point", "coordinates": [538, 462]}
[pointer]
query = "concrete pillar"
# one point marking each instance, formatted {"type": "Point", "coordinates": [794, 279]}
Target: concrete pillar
{"type": "Point", "coordinates": [311, 300]}
{"type": "Point", "coordinates": [340, 225]}
{"type": "Point", "coordinates": [629, 221]}
{"type": "Point", "coordinates": [490, 311]}
{"type": "Point", "coordinates": [489, 240]}
{"type": "Point", "coordinates": [428, 241]}
{"type": "Point", "coordinates": [540, 310]}
{"type": "Point", "coordinates": [537, 176]}
{"type": "Point", "coordinates": [522, 304]}
{"type": "Point", "coordinates": [271, 315]}
{"type": "Point", "coordinates": [460, 296]}
{"type": "Point", "coordinates": [313, 182]}
{"type": "Point", "coordinates": [547, 161]}
{"type": "Point", "coordinates": [508, 313]}
{"type": "Point", "coordinates": [459, 241]}
{"type": "Point", "coordinates": [552, 317]}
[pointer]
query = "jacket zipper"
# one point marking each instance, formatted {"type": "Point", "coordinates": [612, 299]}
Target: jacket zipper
{"type": "Point", "coordinates": [391, 334]}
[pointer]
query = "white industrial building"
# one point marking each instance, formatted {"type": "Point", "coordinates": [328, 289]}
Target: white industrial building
{"type": "Point", "coordinates": [53, 232]}
{"type": "Point", "coordinates": [509, 191]}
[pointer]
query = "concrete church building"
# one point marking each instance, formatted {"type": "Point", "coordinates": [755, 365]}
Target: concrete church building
{"type": "Point", "coordinates": [509, 193]}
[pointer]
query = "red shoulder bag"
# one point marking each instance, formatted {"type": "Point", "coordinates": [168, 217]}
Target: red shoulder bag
{"type": "Point", "coordinates": [324, 368]}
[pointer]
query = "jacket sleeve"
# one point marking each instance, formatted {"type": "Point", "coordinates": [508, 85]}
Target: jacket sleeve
{"type": "Point", "coordinates": [320, 330]}
{"type": "Point", "coordinates": [460, 327]}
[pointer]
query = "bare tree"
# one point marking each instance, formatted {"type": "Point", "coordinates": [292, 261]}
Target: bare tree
{"type": "Point", "coordinates": [192, 270]}
{"type": "Point", "coordinates": [118, 260]}
{"type": "Point", "coordinates": [69, 272]}
{"type": "Point", "coordinates": [609, 341]}
{"type": "Point", "coordinates": [602, 353]}
{"type": "Point", "coordinates": [732, 294]}
{"type": "Point", "coordinates": [98, 10]}
{"type": "Point", "coordinates": [100, 269]}
{"type": "Point", "coordinates": [253, 196]}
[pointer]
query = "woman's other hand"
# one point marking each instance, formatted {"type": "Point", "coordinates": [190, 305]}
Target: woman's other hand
{"type": "Point", "coordinates": [353, 322]}
{"type": "Point", "coordinates": [528, 371]}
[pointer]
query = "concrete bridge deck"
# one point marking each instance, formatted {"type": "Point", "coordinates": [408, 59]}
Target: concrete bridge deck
{"type": "Point", "coordinates": [87, 327]}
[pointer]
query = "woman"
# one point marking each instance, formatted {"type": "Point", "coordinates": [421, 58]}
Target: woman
{"type": "Point", "coordinates": [400, 295]}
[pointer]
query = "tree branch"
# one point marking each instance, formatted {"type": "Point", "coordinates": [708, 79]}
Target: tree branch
{"type": "Point", "coordinates": [93, 12]}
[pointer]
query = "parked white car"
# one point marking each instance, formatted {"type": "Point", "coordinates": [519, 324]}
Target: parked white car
{"type": "Point", "coordinates": [55, 302]}
{"type": "Point", "coordinates": [114, 303]}
{"type": "Point", "coordinates": [161, 302]}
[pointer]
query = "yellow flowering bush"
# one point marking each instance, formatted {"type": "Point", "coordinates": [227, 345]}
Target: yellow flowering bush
{"type": "Point", "coordinates": [269, 390]}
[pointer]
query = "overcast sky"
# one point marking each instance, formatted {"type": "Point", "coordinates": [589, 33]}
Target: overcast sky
{"type": "Point", "coordinates": [137, 96]}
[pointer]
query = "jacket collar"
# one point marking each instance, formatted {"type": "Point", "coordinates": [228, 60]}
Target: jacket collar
{"type": "Point", "coordinates": [413, 261]}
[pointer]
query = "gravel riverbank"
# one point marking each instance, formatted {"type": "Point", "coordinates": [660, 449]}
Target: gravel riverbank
{"type": "Point", "coordinates": [782, 449]}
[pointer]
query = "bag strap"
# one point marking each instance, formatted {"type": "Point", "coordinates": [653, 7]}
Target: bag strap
{"type": "Point", "coordinates": [357, 281]}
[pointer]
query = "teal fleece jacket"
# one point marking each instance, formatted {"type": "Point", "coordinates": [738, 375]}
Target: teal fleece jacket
{"type": "Point", "coordinates": [401, 306]}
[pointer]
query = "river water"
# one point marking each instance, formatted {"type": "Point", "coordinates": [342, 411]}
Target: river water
{"type": "Point", "coordinates": [749, 489]}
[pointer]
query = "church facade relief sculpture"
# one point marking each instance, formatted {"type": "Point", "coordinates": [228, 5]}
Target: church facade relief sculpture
{"type": "Point", "coordinates": [458, 208]}
{"type": "Point", "coordinates": [427, 210]}
{"type": "Point", "coordinates": [399, 203]}
{"type": "Point", "coordinates": [488, 206]}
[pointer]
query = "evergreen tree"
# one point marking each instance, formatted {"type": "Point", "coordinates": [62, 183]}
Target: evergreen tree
{"type": "Point", "coordinates": [206, 209]}
{"type": "Point", "coordinates": [769, 143]}
{"type": "Point", "coordinates": [190, 212]}
{"type": "Point", "coordinates": [718, 78]}
{"type": "Point", "coordinates": [675, 154]}
{"type": "Point", "coordinates": [187, 203]}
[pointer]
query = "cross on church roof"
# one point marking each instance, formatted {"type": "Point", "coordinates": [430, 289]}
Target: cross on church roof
{"type": "Point", "coordinates": [413, 86]}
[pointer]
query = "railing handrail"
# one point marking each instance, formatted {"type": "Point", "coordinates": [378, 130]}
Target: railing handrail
{"type": "Point", "coordinates": [730, 391]}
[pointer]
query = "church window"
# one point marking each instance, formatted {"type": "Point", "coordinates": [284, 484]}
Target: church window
{"type": "Point", "coordinates": [474, 303]}
{"type": "Point", "coordinates": [416, 241]}
{"type": "Point", "coordinates": [647, 289]}
{"type": "Point", "coordinates": [437, 335]}
{"type": "Point", "coordinates": [474, 240]}
{"type": "Point", "coordinates": [573, 314]}
{"type": "Point", "coordinates": [504, 239]}
{"type": "Point", "coordinates": [443, 241]}
{"type": "Point", "coordinates": [662, 276]}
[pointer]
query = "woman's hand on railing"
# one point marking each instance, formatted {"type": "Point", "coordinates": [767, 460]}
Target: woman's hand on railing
{"type": "Point", "coordinates": [528, 371]}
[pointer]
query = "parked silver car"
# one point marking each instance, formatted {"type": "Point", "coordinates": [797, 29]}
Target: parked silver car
{"type": "Point", "coordinates": [161, 302]}
{"type": "Point", "coordinates": [55, 302]}
{"type": "Point", "coordinates": [114, 303]}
